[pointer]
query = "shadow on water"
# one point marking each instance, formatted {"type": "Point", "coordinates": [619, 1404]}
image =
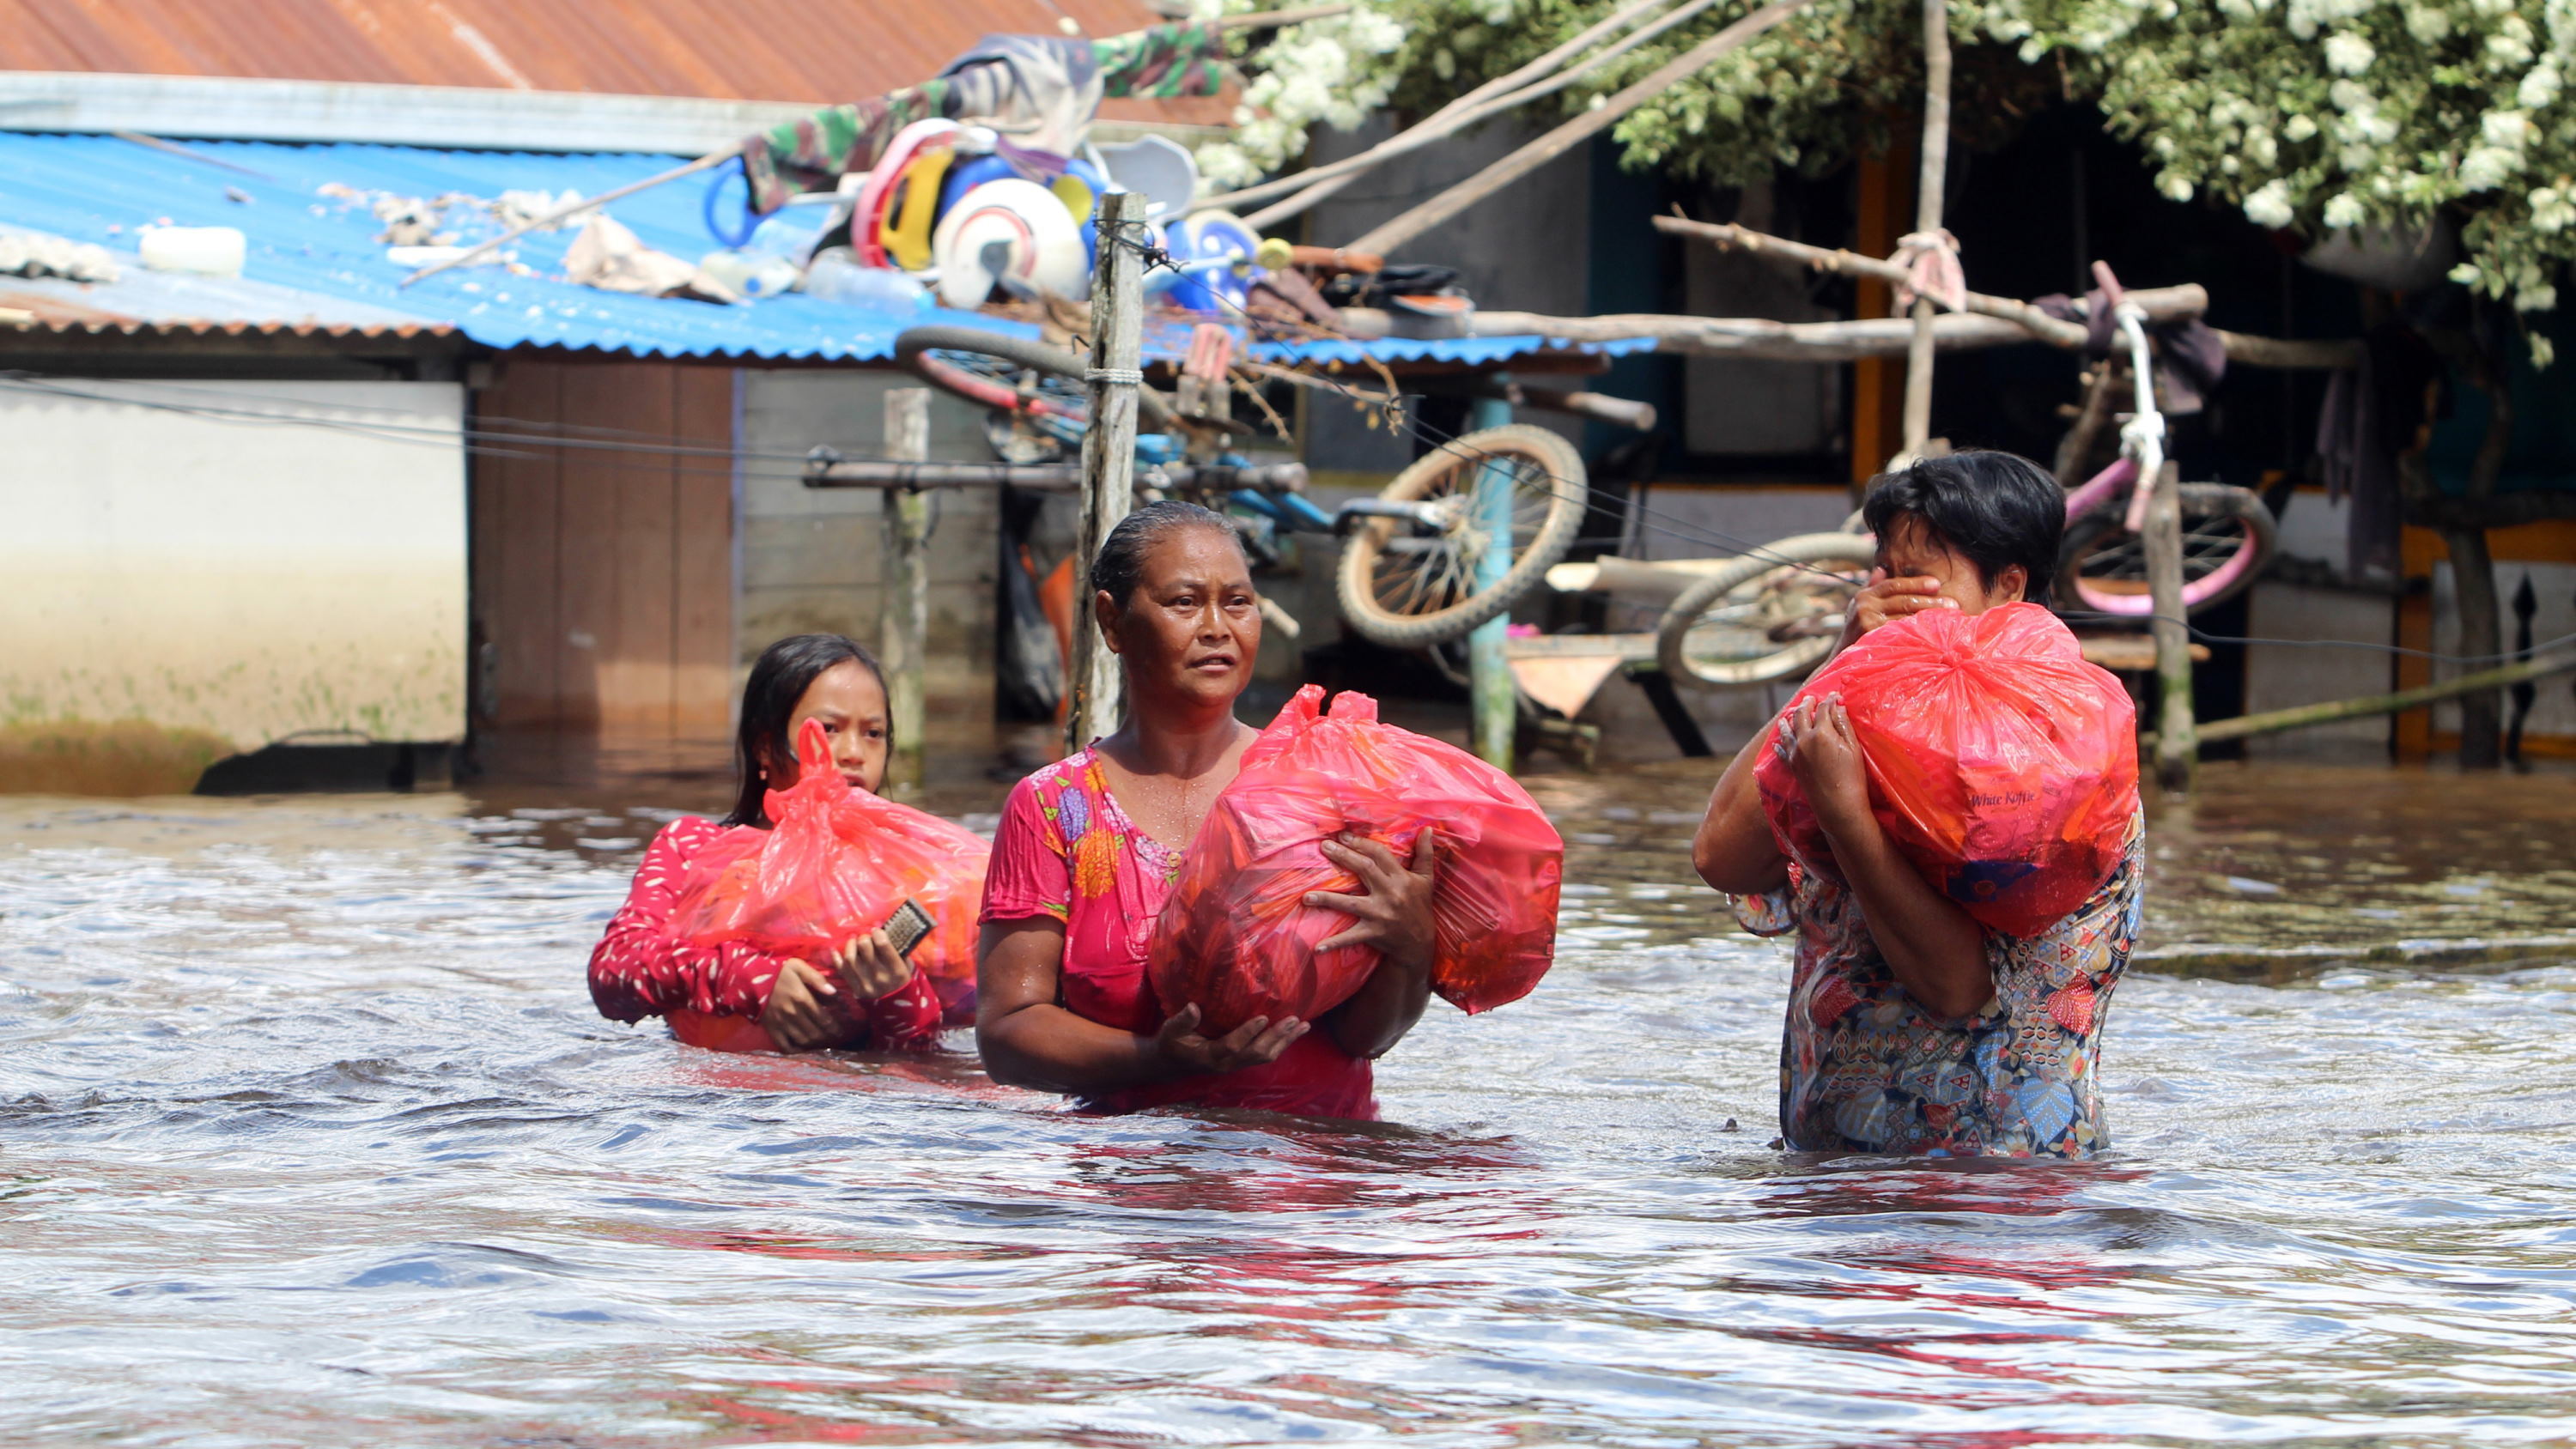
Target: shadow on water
{"type": "Point", "coordinates": [308, 1134]}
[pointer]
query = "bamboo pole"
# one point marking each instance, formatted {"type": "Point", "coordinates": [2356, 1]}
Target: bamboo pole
{"type": "Point", "coordinates": [2303, 716]}
{"type": "Point", "coordinates": [1929, 186]}
{"type": "Point", "coordinates": [1108, 450]}
{"type": "Point", "coordinates": [2177, 749]}
{"type": "Point", "coordinates": [905, 634]}
{"type": "Point", "coordinates": [1531, 82]}
{"type": "Point", "coordinates": [1727, 236]}
{"type": "Point", "coordinates": [1391, 234]}
{"type": "Point", "coordinates": [481, 249]}
{"type": "Point", "coordinates": [1762, 339]}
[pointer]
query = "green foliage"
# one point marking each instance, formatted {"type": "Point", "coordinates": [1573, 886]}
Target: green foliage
{"type": "Point", "coordinates": [2315, 114]}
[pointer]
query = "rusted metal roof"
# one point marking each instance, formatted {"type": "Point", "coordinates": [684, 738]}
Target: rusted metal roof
{"type": "Point", "coordinates": [770, 50]}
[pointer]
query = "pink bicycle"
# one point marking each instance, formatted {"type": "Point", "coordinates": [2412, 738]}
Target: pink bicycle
{"type": "Point", "coordinates": [1774, 613]}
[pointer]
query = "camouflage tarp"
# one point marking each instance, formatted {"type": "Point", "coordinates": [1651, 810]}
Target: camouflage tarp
{"type": "Point", "coordinates": [1054, 84]}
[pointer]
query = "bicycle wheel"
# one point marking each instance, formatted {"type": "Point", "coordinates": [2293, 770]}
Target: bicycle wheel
{"type": "Point", "coordinates": [1410, 586]}
{"type": "Point", "coordinates": [1041, 405]}
{"type": "Point", "coordinates": [2227, 538]}
{"type": "Point", "coordinates": [1767, 616]}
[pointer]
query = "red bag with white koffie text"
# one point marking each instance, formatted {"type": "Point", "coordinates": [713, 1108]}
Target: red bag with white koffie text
{"type": "Point", "coordinates": [2000, 763]}
{"type": "Point", "coordinates": [836, 862]}
{"type": "Point", "coordinates": [1237, 937]}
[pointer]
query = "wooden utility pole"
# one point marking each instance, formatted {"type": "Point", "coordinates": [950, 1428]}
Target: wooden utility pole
{"type": "Point", "coordinates": [904, 641]}
{"type": "Point", "coordinates": [1108, 450]}
{"type": "Point", "coordinates": [1933, 178]}
{"type": "Point", "coordinates": [2177, 739]}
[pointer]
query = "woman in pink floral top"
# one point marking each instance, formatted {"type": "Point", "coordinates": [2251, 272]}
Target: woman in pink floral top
{"type": "Point", "coordinates": [733, 997]}
{"type": "Point", "coordinates": [1088, 849]}
{"type": "Point", "coordinates": [1911, 1029]}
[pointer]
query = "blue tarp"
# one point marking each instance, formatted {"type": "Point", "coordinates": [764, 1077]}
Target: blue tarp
{"type": "Point", "coordinates": [314, 261]}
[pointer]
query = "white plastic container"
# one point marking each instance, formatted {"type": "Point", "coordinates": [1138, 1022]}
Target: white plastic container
{"type": "Point", "coordinates": [749, 275]}
{"type": "Point", "coordinates": [213, 251]}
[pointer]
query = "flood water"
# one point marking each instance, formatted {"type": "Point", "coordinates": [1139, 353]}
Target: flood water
{"type": "Point", "coordinates": [309, 1135]}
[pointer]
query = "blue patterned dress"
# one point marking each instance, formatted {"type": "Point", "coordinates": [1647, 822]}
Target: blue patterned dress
{"type": "Point", "coordinates": [1865, 1069]}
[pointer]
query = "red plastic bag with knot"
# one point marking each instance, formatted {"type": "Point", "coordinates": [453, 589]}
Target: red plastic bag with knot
{"type": "Point", "coordinates": [835, 863]}
{"type": "Point", "coordinates": [2000, 763]}
{"type": "Point", "coordinates": [1237, 938]}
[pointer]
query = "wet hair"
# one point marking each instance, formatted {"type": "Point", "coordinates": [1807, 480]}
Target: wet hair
{"type": "Point", "coordinates": [1120, 564]}
{"type": "Point", "coordinates": [1993, 509]}
{"type": "Point", "coordinates": [779, 678]}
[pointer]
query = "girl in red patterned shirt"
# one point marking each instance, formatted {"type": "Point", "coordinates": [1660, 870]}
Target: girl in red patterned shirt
{"type": "Point", "coordinates": [733, 997]}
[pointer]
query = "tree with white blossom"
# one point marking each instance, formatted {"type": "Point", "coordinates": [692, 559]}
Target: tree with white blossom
{"type": "Point", "coordinates": [2320, 115]}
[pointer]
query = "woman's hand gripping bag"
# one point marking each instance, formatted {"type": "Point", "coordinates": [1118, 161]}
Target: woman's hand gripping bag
{"type": "Point", "coordinates": [2000, 763]}
{"type": "Point", "coordinates": [836, 863]}
{"type": "Point", "coordinates": [1237, 938]}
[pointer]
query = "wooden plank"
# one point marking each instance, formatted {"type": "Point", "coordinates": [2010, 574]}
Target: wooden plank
{"type": "Point", "coordinates": [702, 559]}
{"type": "Point", "coordinates": [521, 609]}
{"type": "Point", "coordinates": [586, 544]}
{"type": "Point", "coordinates": [635, 670]}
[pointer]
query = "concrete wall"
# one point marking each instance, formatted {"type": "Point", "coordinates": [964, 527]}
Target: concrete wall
{"type": "Point", "coordinates": [1527, 249]}
{"type": "Point", "coordinates": [253, 578]}
{"type": "Point", "coordinates": [815, 559]}
{"type": "Point", "coordinates": [2278, 676]}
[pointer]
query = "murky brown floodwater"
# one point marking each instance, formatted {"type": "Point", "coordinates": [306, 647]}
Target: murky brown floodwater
{"type": "Point", "coordinates": [308, 1135]}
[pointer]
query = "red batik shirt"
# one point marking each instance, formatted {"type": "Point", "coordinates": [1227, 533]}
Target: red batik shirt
{"type": "Point", "coordinates": [641, 969]}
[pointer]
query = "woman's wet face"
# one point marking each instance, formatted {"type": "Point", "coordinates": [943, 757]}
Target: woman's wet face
{"type": "Point", "coordinates": [1910, 549]}
{"type": "Point", "coordinates": [1193, 625]}
{"type": "Point", "coordinates": [852, 706]}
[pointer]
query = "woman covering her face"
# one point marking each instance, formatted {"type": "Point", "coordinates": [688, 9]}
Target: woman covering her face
{"type": "Point", "coordinates": [1910, 1027]}
{"type": "Point", "coordinates": [1089, 848]}
{"type": "Point", "coordinates": [864, 996]}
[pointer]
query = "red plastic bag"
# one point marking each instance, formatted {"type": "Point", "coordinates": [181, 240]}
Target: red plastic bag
{"type": "Point", "coordinates": [2000, 763]}
{"type": "Point", "coordinates": [1237, 937]}
{"type": "Point", "coordinates": [836, 863]}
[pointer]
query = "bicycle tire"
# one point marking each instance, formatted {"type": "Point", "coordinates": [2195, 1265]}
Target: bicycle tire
{"type": "Point", "coordinates": [1435, 475]}
{"type": "Point", "coordinates": [2228, 537]}
{"type": "Point", "coordinates": [916, 349]}
{"type": "Point", "coordinates": [1856, 552]}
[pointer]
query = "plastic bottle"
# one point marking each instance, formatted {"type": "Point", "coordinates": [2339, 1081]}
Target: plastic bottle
{"type": "Point", "coordinates": [214, 251]}
{"type": "Point", "coordinates": [750, 275]}
{"type": "Point", "coordinates": [837, 276]}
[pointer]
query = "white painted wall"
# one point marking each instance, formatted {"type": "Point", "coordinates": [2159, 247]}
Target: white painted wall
{"type": "Point", "coordinates": [172, 560]}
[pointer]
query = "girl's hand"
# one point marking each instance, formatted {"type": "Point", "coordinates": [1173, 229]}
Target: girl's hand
{"type": "Point", "coordinates": [804, 1011]}
{"type": "Point", "coordinates": [871, 967]}
{"type": "Point", "coordinates": [1884, 601]}
{"type": "Point", "coordinates": [1250, 1045]}
{"type": "Point", "coordinates": [1825, 757]}
{"type": "Point", "coordinates": [1395, 914]}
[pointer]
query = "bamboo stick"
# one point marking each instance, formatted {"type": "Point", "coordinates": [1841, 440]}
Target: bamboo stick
{"type": "Point", "coordinates": [1727, 236]}
{"type": "Point", "coordinates": [481, 249]}
{"type": "Point", "coordinates": [1531, 82]}
{"type": "Point", "coordinates": [2304, 715]}
{"type": "Point", "coordinates": [1391, 234]}
{"type": "Point", "coordinates": [2317, 354]}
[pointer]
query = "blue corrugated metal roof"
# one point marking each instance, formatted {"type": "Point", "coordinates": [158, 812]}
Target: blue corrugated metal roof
{"type": "Point", "coordinates": [303, 241]}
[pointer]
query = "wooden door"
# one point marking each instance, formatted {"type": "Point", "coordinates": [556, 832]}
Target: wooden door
{"type": "Point", "coordinates": [604, 548]}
